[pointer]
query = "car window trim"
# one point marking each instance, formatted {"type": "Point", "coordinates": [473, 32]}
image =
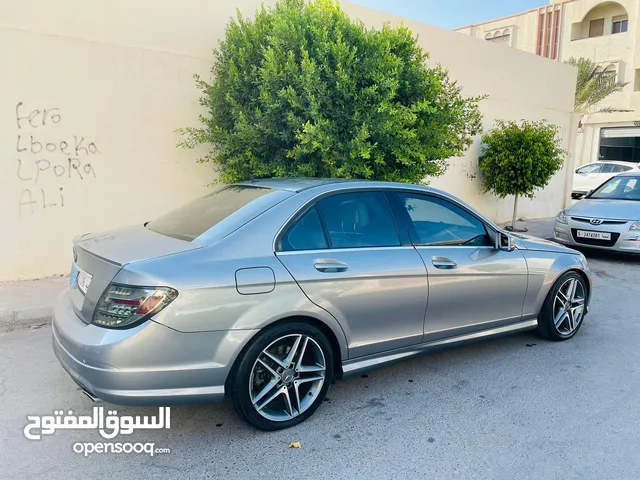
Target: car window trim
{"type": "Point", "coordinates": [411, 228]}
{"type": "Point", "coordinates": [313, 203]}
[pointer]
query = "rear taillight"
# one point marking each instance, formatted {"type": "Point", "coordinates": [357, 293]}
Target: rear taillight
{"type": "Point", "coordinates": [125, 306]}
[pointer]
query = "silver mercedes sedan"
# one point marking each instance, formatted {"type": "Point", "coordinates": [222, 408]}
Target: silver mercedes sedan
{"type": "Point", "coordinates": [607, 218]}
{"type": "Point", "coordinates": [267, 291]}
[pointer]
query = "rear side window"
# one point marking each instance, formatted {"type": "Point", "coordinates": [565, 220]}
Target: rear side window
{"type": "Point", "coordinates": [359, 220]}
{"type": "Point", "coordinates": [306, 234]}
{"type": "Point", "coordinates": [193, 219]}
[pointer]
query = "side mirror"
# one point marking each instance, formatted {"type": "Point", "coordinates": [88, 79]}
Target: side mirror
{"type": "Point", "coordinates": [504, 242]}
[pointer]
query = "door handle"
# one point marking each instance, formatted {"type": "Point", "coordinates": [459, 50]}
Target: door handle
{"type": "Point", "coordinates": [328, 265]}
{"type": "Point", "coordinates": [443, 262]}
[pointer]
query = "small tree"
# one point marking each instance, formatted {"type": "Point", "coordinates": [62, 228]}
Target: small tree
{"type": "Point", "coordinates": [517, 159]}
{"type": "Point", "coordinates": [302, 90]}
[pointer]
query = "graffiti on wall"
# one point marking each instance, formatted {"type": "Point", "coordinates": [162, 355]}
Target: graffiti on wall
{"type": "Point", "coordinates": [46, 164]}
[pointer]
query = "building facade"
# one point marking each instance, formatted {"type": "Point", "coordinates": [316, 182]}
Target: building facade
{"type": "Point", "coordinates": [604, 31]}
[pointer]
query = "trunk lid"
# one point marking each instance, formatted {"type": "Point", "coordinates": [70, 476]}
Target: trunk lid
{"type": "Point", "coordinates": [98, 257]}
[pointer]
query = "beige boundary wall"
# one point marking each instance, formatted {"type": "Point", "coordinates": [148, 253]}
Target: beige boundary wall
{"type": "Point", "coordinates": [91, 93]}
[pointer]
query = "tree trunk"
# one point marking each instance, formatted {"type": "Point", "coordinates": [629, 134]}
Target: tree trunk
{"type": "Point", "coordinates": [515, 211]}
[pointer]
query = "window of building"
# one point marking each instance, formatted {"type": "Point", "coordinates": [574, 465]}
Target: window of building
{"type": "Point", "coordinates": [556, 34]}
{"type": "Point", "coordinates": [549, 21]}
{"type": "Point", "coordinates": [547, 50]}
{"type": "Point", "coordinates": [596, 28]}
{"type": "Point", "coordinates": [610, 73]}
{"type": "Point", "coordinates": [540, 33]}
{"type": "Point", "coordinates": [620, 24]}
{"type": "Point", "coordinates": [499, 36]}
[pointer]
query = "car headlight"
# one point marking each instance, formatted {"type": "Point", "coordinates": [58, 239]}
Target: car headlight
{"type": "Point", "coordinates": [562, 217]}
{"type": "Point", "coordinates": [635, 226]}
{"type": "Point", "coordinates": [126, 306]}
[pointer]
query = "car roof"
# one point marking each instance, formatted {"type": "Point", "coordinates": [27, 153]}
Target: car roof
{"type": "Point", "coordinates": [301, 184]}
{"type": "Point", "coordinates": [629, 174]}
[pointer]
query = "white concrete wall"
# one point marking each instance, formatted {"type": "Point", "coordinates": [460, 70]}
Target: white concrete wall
{"type": "Point", "coordinates": [115, 78]}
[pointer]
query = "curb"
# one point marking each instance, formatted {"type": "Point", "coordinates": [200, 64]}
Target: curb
{"type": "Point", "coordinates": [25, 318]}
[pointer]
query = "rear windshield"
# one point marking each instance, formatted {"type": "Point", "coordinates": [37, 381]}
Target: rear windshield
{"type": "Point", "coordinates": [195, 218]}
{"type": "Point", "coordinates": [619, 188]}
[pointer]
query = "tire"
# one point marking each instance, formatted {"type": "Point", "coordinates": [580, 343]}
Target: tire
{"type": "Point", "coordinates": [257, 376]}
{"type": "Point", "coordinates": [556, 321]}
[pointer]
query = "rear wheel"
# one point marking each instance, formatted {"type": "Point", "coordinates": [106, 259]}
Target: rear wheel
{"type": "Point", "coordinates": [564, 308]}
{"type": "Point", "coordinates": [283, 376]}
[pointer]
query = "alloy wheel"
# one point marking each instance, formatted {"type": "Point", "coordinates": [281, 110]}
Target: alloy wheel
{"type": "Point", "coordinates": [568, 306]}
{"type": "Point", "coordinates": [287, 377]}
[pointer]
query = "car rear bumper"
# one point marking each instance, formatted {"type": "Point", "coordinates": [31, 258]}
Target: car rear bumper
{"type": "Point", "coordinates": [147, 365]}
{"type": "Point", "coordinates": [623, 240]}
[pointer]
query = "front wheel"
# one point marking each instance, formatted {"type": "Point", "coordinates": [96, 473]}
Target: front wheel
{"type": "Point", "coordinates": [283, 376]}
{"type": "Point", "coordinates": [564, 308]}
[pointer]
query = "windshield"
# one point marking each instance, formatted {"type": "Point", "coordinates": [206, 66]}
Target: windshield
{"type": "Point", "coordinates": [619, 188]}
{"type": "Point", "coordinates": [193, 219]}
{"type": "Point", "coordinates": [590, 169]}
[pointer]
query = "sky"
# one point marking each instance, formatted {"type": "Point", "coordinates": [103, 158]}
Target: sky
{"type": "Point", "coordinates": [451, 14]}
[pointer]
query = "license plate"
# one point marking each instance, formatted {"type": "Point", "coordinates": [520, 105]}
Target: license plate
{"type": "Point", "coordinates": [594, 235]}
{"type": "Point", "coordinates": [84, 279]}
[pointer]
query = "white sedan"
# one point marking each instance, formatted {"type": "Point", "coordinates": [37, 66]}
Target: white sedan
{"type": "Point", "coordinates": [592, 175]}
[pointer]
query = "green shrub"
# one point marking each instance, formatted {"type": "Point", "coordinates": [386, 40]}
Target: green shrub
{"type": "Point", "coordinates": [303, 91]}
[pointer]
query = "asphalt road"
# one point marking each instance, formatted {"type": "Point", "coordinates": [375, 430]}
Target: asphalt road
{"type": "Point", "coordinates": [510, 408]}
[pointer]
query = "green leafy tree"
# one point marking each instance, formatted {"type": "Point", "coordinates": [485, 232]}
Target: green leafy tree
{"type": "Point", "coordinates": [302, 90]}
{"type": "Point", "coordinates": [517, 159]}
{"type": "Point", "coordinates": [593, 85]}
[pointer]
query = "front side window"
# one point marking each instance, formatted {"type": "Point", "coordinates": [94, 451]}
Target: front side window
{"type": "Point", "coordinates": [436, 221]}
{"type": "Point", "coordinates": [619, 188]}
{"type": "Point", "coordinates": [590, 169]}
{"type": "Point", "coordinates": [358, 220]}
{"type": "Point", "coordinates": [305, 234]}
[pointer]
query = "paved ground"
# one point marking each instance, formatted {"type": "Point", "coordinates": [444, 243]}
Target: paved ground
{"type": "Point", "coordinates": [516, 408]}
